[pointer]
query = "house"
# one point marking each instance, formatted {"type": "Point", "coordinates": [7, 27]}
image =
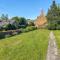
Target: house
{"type": "Point", "coordinates": [41, 21]}
{"type": "Point", "coordinates": [4, 22]}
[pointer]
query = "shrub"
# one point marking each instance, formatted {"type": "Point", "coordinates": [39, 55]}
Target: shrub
{"type": "Point", "coordinates": [8, 35]}
{"type": "Point", "coordinates": [10, 27]}
{"type": "Point", "coordinates": [58, 27]}
{"type": "Point", "coordinates": [22, 26]}
{"type": "Point", "coordinates": [1, 28]}
{"type": "Point", "coordinates": [30, 28]}
{"type": "Point", "coordinates": [52, 26]}
{"type": "Point", "coordinates": [2, 35]}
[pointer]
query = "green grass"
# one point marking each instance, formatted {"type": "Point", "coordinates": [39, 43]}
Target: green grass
{"type": "Point", "coordinates": [57, 35]}
{"type": "Point", "coordinates": [27, 46]}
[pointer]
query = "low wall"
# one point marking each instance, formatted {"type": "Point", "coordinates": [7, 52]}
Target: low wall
{"type": "Point", "coordinates": [3, 34]}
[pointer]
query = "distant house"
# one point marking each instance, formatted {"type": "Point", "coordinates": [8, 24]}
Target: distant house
{"type": "Point", "coordinates": [41, 21]}
{"type": "Point", "coordinates": [4, 22]}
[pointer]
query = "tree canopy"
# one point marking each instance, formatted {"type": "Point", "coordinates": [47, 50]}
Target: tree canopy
{"type": "Point", "coordinates": [4, 17]}
{"type": "Point", "coordinates": [53, 16]}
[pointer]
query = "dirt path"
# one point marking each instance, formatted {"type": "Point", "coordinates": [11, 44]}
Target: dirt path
{"type": "Point", "coordinates": [52, 48]}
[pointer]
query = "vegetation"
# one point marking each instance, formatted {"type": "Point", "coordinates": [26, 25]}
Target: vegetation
{"type": "Point", "coordinates": [29, 28]}
{"type": "Point", "coordinates": [57, 34]}
{"type": "Point", "coordinates": [4, 17]}
{"type": "Point", "coordinates": [53, 16]}
{"type": "Point", "coordinates": [10, 27]}
{"type": "Point", "coordinates": [14, 31]}
{"type": "Point", "coordinates": [27, 46]}
{"type": "Point", "coordinates": [21, 22]}
{"type": "Point", "coordinates": [14, 23]}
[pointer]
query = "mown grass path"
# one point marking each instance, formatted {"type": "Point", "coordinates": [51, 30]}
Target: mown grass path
{"type": "Point", "coordinates": [26, 46]}
{"type": "Point", "coordinates": [52, 48]}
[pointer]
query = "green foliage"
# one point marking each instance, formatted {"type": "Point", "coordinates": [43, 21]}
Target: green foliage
{"type": "Point", "coordinates": [53, 16]}
{"type": "Point", "coordinates": [53, 12]}
{"type": "Point", "coordinates": [58, 27]}
{"type": "Point", "coordinates": [29, 28]}
{"type": "Point", "coordinates": [52, 26]}
{"type": "Point", "coordinates": [1, 28]}
{"type": "Point", "coordinates": [2, 35]}
{"type": "Point", "coordinates": [57, 36]}
{"type": "Point", "coordinates": [20, 22]}
{"type": "Point", "coordinates": [10, 27]}
{"type": "Point", "coordinates": [22, 26]}
{"type": "Point", "coordinates": [16, 18]}
{"type": "Point", "coordinates": [4, 17]}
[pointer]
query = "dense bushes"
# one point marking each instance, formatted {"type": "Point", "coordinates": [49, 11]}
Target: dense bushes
{"type": "Point", "coordinates": [58, 27]}
{"type": "Point", "coordinates": [54, 26]}
{"type": "Point", "coordinates": [29, 28]}
{"type": "Point", "coordinates": [10, 27]}
{"type": "Point", "coordinates": [2, 35]}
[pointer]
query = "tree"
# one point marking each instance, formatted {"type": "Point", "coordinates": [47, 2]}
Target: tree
{"type": "Point", "coordinates": [20, 21]}
{"type": "Point", "coordinates": [10, 27]}
{"type": "Point", "coordinates": [52, 12]}
{"type": "Point", "coordinates": [16, 18]}
{"type": "Point", "coordinates": [53, 15]}
{"type": "Point", "coordinates": [4, 17]}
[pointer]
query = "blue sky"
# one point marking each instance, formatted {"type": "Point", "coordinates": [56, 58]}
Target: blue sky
{"type": "Point", "coordinates": [24, 8]}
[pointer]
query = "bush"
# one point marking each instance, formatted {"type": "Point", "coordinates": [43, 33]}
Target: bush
{"type": "Point", "coordinates": [58, 27]}
{"type": "Point", "coordinates": [8, 35]}
{"type": "Point", "coordinates": [1, 28]}
{"type": "Point", "coordinates": [22, 26]}
{"type": "Point", "coordinates": [30, 28]}
{"type": "Point", "coordinates": [2, 35]}
{"type": "Point", "coordinates": [10, 27]}
{"type": "Point", "coordinates": [52, 26]}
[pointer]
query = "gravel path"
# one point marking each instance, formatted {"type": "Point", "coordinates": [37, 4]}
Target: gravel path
{"type": "Point", "coordinates": [52, 48]}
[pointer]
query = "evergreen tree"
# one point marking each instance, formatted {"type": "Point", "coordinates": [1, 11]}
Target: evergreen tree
{"type": "Point", "coordinates": [53, 16]}
{"type": "Point", "coordinates": [52, 12]}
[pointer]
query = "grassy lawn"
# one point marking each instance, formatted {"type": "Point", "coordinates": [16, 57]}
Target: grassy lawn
{"type": "Point", "coordinates": [57, 35]}
{"type": "Point", "coordinates": [27, 46]}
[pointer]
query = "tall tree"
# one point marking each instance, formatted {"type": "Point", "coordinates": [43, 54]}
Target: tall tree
{"type": "Point", "coordinates": [20, 21]}
{"type": "Point", "coordinates": [53, 16]}
{"type": "Point", "coordinates": [52, 12]}
{"type": "Point", "coordinates": [4, 17]}
{"type": "Point", "coordinates": [16, 18]}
